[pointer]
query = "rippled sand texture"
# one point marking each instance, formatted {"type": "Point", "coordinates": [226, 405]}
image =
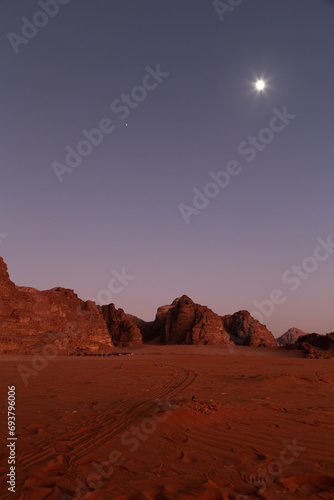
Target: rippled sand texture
{"type": "Point", "coordinates": [181, 422]}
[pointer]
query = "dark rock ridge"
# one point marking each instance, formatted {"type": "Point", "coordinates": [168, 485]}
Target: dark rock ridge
{"type": "Point", "coordinates": [324, 342]}
{"type": "Point", "coordinates": [184, 322]}
{"type": "Point", "coordinates": [122, 330]}
{"type": "Point", "coordinates": [30, 318]}
{"type": "Point", "coordinates": [145, 327]}
{"type": "Point", "coordinates": [291, 336]}
{"type": "Point", "coordinates": [245, 330]}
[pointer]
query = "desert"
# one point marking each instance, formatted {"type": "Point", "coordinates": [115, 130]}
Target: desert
{"type": "Point", "coordinates": [166, 250]}
{"type": "Point", "coordinates": [102, 404]}
{"type": "Point", "coordinates": [178, 422]}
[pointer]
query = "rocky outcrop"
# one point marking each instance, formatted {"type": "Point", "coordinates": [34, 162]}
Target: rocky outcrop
{"type": "Point", "coordinates": [324, 342]}
{"type": "Point", "coordinates": [245, 330]}
{"type": "Point", "coordinates": [184, 322]}
{"type": "Point", "coordinates": [122, 330]}
{"type": "Point", "coordinates": [312, 352]}
{"type": "Point", "coordinates": [291, 336]}
{"type": "Point", "coordinates": [146, 327]}
{"type": "Point", "coordinates": [30, 318]}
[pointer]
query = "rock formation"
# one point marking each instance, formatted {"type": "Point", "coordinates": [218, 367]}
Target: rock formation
{"type": "Point", "coordinates": [291, 336]}
{"type": "Point", "coordinates": [122, 330]}
{"type": "Point", "coordinates": [145, 327]}
{"type": "Point", "coordinates": [324, 342]}
{"type": "Point", "coordinates": [184, 322]}
{"type": "Point", "coordinates": [30, 318]}
{"type": "Point", "coordinates": [245, 330]}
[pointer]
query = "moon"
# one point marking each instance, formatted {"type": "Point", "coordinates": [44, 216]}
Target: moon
{"type": "Point", "coordinates": [260, 85]}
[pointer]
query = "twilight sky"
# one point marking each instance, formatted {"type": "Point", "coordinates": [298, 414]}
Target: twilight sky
{"type": "Point", "coordinates": [185, 72]}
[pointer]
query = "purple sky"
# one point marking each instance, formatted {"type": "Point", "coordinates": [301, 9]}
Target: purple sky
{"type": "Point", "coordinates": [119, 208]}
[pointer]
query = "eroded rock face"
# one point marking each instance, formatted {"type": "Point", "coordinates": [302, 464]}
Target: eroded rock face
{"type": "Point", "coordinates": [184, 322]}
{"type": "Point", "coordinates": [291, 336]}
{"type": "Point", "coordinates": [324, 342]}
{"type": "Point", "coordinates": [30, 318]}
{"type": "Point", "coordinates": [246, 330]}
{"type": "Point", "coordinates": [122, 330]}
{"type": "Point", "coordinates": [145, 327]}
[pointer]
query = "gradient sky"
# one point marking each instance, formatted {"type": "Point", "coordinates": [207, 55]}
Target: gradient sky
{"type": "Point", "coordinates": [120, 207]}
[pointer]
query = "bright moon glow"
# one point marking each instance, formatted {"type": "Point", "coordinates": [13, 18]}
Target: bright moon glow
{"type": "Point", "coordinates": [260, 85]}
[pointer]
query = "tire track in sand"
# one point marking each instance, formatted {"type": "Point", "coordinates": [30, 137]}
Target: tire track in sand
{"type": "Point", "coordinates": [127, 413]}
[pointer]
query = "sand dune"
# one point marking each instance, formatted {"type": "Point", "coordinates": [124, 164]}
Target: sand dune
{"type": "Point", "coordinates": [187, 422]}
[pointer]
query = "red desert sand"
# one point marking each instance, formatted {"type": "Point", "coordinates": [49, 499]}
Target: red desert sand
{"type": "Point", "coordinates": [183, 422]}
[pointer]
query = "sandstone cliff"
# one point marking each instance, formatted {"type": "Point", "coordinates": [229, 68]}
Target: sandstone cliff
{"type": "Point", "coordinates": [245, 330]}
{"type": "Point", "coordinates": [122, 330]}
{"type": "Point", "coordinates": [30, 318]}
{"type": "Point", "coordinates": [145, 327]}
{"type": "Point", "coordinates": [184, 322]}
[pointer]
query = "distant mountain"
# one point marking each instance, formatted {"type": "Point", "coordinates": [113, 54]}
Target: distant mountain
{"type": "Point", "coordinates": [291, 336]}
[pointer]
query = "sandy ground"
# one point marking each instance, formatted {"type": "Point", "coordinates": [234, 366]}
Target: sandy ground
{"type": "Point", "coordinates": [185, 422]}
